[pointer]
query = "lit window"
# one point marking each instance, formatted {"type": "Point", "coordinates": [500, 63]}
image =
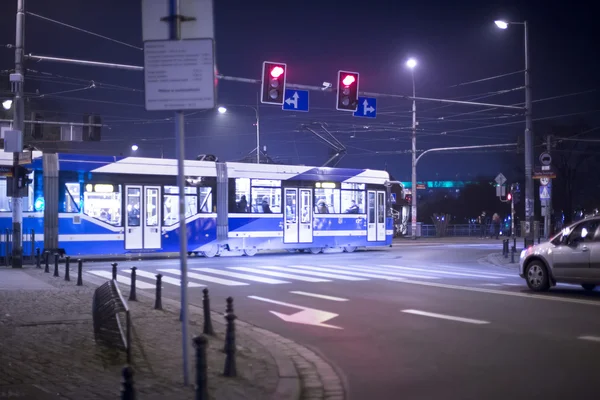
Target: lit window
{"type": "Point", "coordinates": [102, 205]}
{"type": "Point", "coordinates": [171, 204]}
{"type": "Point", "coordinates": [72, 197]}
{"type": "Point", "coordinates": [327, 201]}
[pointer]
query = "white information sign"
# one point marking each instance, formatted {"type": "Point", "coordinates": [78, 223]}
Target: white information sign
{"type": "Point", "coordinates": [179, 75]}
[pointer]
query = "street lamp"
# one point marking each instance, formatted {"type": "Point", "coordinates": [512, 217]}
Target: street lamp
{"type": "Point", "coordinates": [411, 64]}
{"type": "Point", "coordinates": [7, 104]}
{"type": "Point", "coordinates": [223, 110]}
{"type": "Point", "coordinates": [529, 195]}
{"type": "Point", "coordinates": [134, 147]}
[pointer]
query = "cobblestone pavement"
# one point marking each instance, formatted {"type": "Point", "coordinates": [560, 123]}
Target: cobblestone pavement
{"type": "Point", "coordinates": [47, 350]}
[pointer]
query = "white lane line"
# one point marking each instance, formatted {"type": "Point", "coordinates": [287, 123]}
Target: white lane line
{"type": "Point", "coordinates": [502, 292]}
{"type": "Point", "coordinates": [437, 271]}
{"type": "Point", "coordinates": [314, 273]}
{"type": "Point", "coordinates": [206, 278]}
{"type": "Point", "coordinates": [124, 279]}
{"type": "Point", "coordinates": [477, 271]}
{"type": "Point", "coordinates": [247, 277]}
{"type": "Point", "coordinates": [165, 279]}
{"type": "Point", "coordinates": [280, 274]}
{"type": "Point", "coordinates": [338, 270]}
{"type": "Point", "coordinates": [512, 284]}
{"type": "Point", "coordinates": [360, 268]}
{"type": "Point", "coordinates": [590, 338]}
{"type": "Point", "coordinates": [448, 317]}
{"type": "Point", "coordinates": [281, 303]}
{"type": "Point", "coordinates": [491, 284]}
{"type": "Point", "coordinates": [319, 296]}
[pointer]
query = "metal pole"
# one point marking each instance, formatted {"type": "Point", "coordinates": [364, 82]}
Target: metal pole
{"type": "Point", "coordinates": [548, 215]}
{"type": "Point", "coordinates": [257, 132]}
{"type": "Point", "coordinates": [18, 124]}
{"type": "Point", "coordinates": [512, 212]}
{"type": "Point", "coordinates": [180, 149]}
{"type": "Point", "coordinates": [414, 162]}
{"type": "Point", "coordinates": [529, 195]}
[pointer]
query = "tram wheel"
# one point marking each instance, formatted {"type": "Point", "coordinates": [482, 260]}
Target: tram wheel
{"type": "Point", "coordinates": [250, 252]}
{"type": "Point", "coordinates": [211, 251]}
{"type": "Point", "coordinates": [349, 249]}
{"type": "Point", "coordinates": [315, 250]}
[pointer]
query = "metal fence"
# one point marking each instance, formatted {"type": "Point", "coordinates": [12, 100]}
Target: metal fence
{"type": "Point", "coordinates": [471, 230]}
{"type": "Point", "coordinates": [28, 241]}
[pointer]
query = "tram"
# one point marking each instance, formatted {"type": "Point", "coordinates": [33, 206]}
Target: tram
{"type": "Point", "coordinates": [130, 205]}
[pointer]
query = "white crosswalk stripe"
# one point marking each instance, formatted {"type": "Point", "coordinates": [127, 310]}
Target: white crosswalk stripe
{"type": "Point", "coordinates": [384, 271]}
{"type": "Point", "coordinates": [280, 274]}
{"type": "Point", "coordinates": [241, 276]}
{"type": "Point", "coordinates": [165, 279]}
{"type": "Point", "coordinates": [315, 273]}
{"type": "Point", "coordinates": [202, 277]}
{"type": "Point", "coordinates": [442, 272]}
{"type": "Point", "coordinates": [345, 272]}
{"type": "Point", "coordinates": [124, 279]}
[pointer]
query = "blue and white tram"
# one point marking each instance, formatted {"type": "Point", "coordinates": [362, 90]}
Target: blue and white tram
{"type": "Point", "coordinates": [129, 205]}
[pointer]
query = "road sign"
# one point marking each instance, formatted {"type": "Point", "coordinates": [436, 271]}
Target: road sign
{"type": "Point", "coordinates": [393, 196]}
{"type": "Point", "coordinates": [421, 186]}
{"type": "Point", "coordinates": [295, 100]}
{"type": "Point", "coordinates": [546, 171]}
{"type": "Point", "coordinates": [545, 158]}
{"type": "Point", "coordinates": [545, 192]}
{"type": "Point", "coordinates": [367, 107]}
{"type": "Point", "coordinates": [199, 21]}
{"type": "Point", "coordinates": [544, 181]}
{"type": "Point", "coordinates": [500, 179]}
{"type": "Point", "coordinates": [179, 75]}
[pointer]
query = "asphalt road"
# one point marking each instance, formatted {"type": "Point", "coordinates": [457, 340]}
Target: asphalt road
{"type": "Point", "coordinates": [418, 321]}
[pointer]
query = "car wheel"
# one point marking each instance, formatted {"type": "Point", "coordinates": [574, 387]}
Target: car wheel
{"type": "Point", "coordinates": [588, 286]}
{"type": "Point", "coordinates": [537, 277]}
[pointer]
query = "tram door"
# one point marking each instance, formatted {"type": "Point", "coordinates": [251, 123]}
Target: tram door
{"type": "Point", "coordinates": [142, 221]}
{"type": "Point", "coordinates": [375, 216]}
{"type": "Point", "coordinates": [298, 216]}
{"type": "Point", "coordinates": [305, 212]}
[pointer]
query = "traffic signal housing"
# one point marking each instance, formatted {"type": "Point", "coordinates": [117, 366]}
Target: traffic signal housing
{"type": "Point", "coordinates": [91, 133]}
{"type": "Point", "coordinates": [347, 91]}
{"type": "Point", "coordinates": [509, 197]}
{"type": "Point", "coordinates": [273, 82]}
{"type": "Point", "coordinates": [37, 130]}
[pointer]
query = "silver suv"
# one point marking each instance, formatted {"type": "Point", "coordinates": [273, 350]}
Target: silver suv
{"type": "Point", "coordinates": [572, 256]}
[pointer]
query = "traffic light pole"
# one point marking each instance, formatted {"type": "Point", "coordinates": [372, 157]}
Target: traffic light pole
{"type": "Point", "coordinates": [413, 225]}
{"type": "Point", "coordinates": [18, 124]}
{"type": "Point", "coordinates": [512, 212]}
{"type": "Point", "coordinates": [529, 195]}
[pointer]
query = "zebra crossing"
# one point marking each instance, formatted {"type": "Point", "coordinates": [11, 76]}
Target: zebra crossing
{"type": "Point", "coordinates": [200, 277]}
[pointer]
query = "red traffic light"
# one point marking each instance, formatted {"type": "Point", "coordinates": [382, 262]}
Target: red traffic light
{"type": "Point", "coordinates": [276, 72]}
{"type": "Point", "coordinates": [349, 80]}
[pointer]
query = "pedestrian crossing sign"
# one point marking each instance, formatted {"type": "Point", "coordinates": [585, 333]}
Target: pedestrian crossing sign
{"type": "Point", "coordinates": [545, 193]}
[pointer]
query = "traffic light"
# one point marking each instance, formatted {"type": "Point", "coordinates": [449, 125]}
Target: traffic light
{"type": "Point", "coordinates": [91, 133]}
{"type": "Point", "coordinates": [517, 195]}
{"type": "Point", "coordinates": [273, 82]}
{"type": "Point", "coordinates": [347, 91]}
{"type": "Point", "coordinates": [36, 129]}
{"type": "Point", "coordinates": [509, 197]}
{"type": "Point", "coordinates": [408, 198]}
{"type": "Point", "coordinates": [23, 177]}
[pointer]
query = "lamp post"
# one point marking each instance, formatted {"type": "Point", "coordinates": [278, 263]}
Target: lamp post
{"type": "Point", "coordinates": [412, 63]}
{"type": "Point", "coordinates": [529, 195]}
{"type": "Point", "coordinates": [223, 110]}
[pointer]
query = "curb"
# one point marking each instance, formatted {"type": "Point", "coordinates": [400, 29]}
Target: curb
{"type": "Point", "coordinates": [291, 371]}
{"type": "Point", "coordinates": [492, 259]}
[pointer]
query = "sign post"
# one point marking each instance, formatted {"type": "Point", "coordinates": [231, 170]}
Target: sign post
{"type": "Point", "coordinates": [179, 74]}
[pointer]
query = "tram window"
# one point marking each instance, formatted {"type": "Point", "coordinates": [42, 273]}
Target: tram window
{"type": "Point", "coordinates": [206, 200]}
{"type": "Point", "coordinates": [171, 204]}
{"type": "Point", "coordinates": [327, 201]}
{"type": "Point", "coordinates": [103, 201]}
{"type": "Point", "coordinates": [257, 196]}
{"type": "Point", "coordinates": [353, 186]}
{"type": "Point", "coordinates": [72, 197]}
{"type": "Point", "coordinates": [353, 201]}
{"type": "Point", "coordinates": [26, 202]}
{"type": "Point", "coordinates": [270, 196]}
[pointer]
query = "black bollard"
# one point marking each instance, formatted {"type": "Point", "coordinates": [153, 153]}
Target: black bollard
{"type": "Point", "coordinates": [512, 256]}
{"type": "Point", "coordinates": [158, 301]}
{"type": "Point", "coordinates": [38, 259]}
{"type": "Point", "coordinates": [515, 243]}
{"type": "Point", "coordinates": [46, 259]}
{"type": "Point", "coordinates": [228, 310]}
{"type": "Point", "coordinates": [56, 256]}
{"type": "Point", "coordinates": [230, 369]}
{"type": "Point", "coordinates": [67, 262]}
{"type": "Point", "coordinates": [128, 392]}
{"type": "Point", "coordinates": [114, 271]}
{"type": "Point", "coordinates": [208, 328]}
{"type": "Point", "coordinates": [79, 271]}
{"type": "Point", "coordinates": [132, 294]}
{"type": "Point", "coordinates": [505, 244]}
{"type": "Point", "coordinates": [201, 368]}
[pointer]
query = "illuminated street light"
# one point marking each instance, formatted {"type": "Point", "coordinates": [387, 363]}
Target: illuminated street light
{"type": "Point", "coordinates": [134, 147]}
{"type": "Point", "coordinates": [411, 63]}
{"type": "Point", "coordinates": [7, 104]}
{"type": "Point", "coordinates": [222, 110]}
{"type": "Point", "coordinates": [501, 24]}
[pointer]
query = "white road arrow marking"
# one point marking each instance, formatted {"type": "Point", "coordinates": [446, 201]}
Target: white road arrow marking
{"type": "Point", "coordinates": [293, 100]}
{"type": "Point", "coordinates": [367, 108]}
{"type": "Point", "coordinates": [307, 316]}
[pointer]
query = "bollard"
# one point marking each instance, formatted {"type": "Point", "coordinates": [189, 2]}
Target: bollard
{"type": "Point", "coordinates": [539, 239]}
{"type": "Point", "coordinates": [208, 328]}
{"type": "Point", "coordinates": [128, 392]}
{"type": "Point", "coordinates": [38, 259]}
{"type": "Point", "coordinates": [67, 262]}
{"type": "Point", "coordinates": [228, 310]}
{"type": "Point", "coordinates": [505, 245]}
{"type": "Point", "coordinates": [201, 368]}
{"type": "Point", "coordinates": [158, 301]}
{"type": "Point", "coordinates": [230, 369]}
{"type": "Point", "coordinates": [46, 257]}
{"type": "Point", "coordinates": [79, 271]}
{"type": "Point", "coordinates": [114, 271]}
{"type": "Point", "coordinates": [512, 256]}
{"type": "Point", "coordinates": [515, 243]}
{"type": "Point", "coordinates": [56, 256]}
{"type": "Point", "coordinates": [132, 294]}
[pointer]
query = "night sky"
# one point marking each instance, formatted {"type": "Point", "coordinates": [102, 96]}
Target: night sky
{"type": "Point", "coordinates": [454, 43]}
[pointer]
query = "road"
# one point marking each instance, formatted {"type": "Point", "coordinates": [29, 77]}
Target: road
{"type": "Point", "coordinates": [412, 322]}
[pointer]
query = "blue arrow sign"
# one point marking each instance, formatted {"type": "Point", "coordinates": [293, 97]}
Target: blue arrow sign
{"type": "Point", "coordinates": [367, 107]}
{"type": "Point", "coordinates": [295, 100]}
